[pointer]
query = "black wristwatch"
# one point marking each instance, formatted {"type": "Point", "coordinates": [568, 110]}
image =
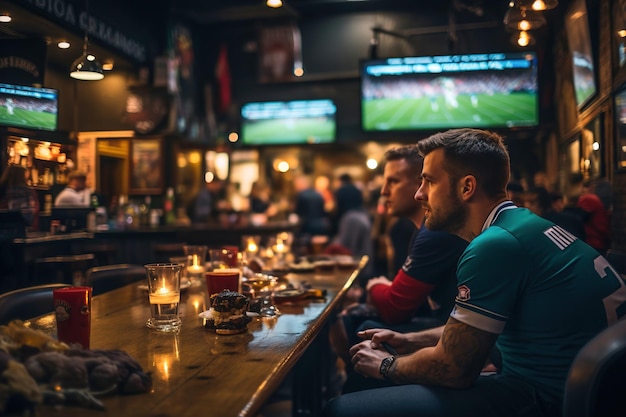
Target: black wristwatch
{"type": "Point", "coordinates": [385, 365]}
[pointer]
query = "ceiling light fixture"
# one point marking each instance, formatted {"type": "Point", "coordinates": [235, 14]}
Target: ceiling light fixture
{"type": "Point", "coordinates": [523, 19]}
{"type": "Point", "coordinates": [5, 18]}
{"type": "Point", "coordinates": [538, 5]}
{"type": "Point", "coordinates": [63, 44]}
{"type": "Point", "coordinates": [274, 3]}
{"type": "Point", "coordinates": [523, 39]}
{"type": "Point", "coordinates": [86, 67]}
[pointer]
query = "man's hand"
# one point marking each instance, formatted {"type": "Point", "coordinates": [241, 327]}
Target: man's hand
{"type": "Point", "coordinates": [396, 340]}
{"type": "Point", "coordinates": [366, 360]}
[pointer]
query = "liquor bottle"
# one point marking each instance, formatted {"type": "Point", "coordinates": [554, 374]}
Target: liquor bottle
{"type": "Point", "coordinates": [168, 206]}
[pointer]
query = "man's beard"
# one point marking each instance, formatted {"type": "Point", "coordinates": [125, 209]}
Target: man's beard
{"type": "Point", "coordinates": [450, 219]}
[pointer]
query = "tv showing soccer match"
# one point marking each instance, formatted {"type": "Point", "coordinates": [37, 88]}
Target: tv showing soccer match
{"type": "Point", "coordinates": [492, 90]}
{"type": "Point", "coordinates": [293, 122]}
{"type": "Point", "coordinates": [579, 39]}
{"type": "Point", "coordinates": [29, 107]}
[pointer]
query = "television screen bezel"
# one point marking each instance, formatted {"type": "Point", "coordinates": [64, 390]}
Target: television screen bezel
{"type": "Point", "coordinates": [534, 125]}
{"type": "Point", "coordinates": [36, 89]}
{"type": "Point", "coordinates": [292, 141]}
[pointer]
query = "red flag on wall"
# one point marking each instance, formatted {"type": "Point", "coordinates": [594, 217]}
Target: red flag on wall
{"type": "Point", "coordinates": [222, 74]}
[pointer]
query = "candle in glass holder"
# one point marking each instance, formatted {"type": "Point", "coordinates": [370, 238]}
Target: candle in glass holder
{"type": "Point", "coordinates": [195, 271]}
{"type": "Point", "coordinates": [280, 247]}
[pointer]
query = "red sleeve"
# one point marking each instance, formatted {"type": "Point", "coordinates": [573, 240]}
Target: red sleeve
{"type": "Point", "coordinates": [396, 303]}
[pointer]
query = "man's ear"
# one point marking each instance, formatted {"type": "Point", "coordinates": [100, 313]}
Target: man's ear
{"type": "Point", "coordinates": [468, 186]}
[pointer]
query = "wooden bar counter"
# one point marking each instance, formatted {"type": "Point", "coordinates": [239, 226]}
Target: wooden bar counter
{"type": "Point", "coordinates": [199, 373]}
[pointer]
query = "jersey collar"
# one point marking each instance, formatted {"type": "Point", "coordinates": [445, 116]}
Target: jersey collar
{"type": "Point", "coordinates": [505, 205]}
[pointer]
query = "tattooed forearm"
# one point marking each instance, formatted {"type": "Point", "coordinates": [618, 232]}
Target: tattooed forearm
{"type": "Point", "coordinates": [455, 362]}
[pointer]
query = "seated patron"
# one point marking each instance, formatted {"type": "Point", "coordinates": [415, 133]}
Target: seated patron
{"type": "Point", "coordinates": [16, 195]}
{"type": "Point", "coordinates": [426, 282]}
{"type": "Point", "coordinates": [521, 284]}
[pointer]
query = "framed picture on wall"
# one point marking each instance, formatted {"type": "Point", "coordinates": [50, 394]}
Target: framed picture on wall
{"type": "Point", "coordinates": [592, 148]}
{"type": "Point", "coordinates": [620, 127]}
{"type": "Point", "coordinates": [146, 167]}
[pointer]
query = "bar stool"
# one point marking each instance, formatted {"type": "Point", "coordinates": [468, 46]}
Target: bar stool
{"type": "Point", "coordinates": [68, 269]}
{"type": "Point", "coordinates": [109, 277]}
{"type": "Point", "coordinates": [26, 303]}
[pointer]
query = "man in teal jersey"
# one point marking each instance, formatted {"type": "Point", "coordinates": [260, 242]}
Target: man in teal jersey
{"type": "Point", "coordinates": [524, 282]}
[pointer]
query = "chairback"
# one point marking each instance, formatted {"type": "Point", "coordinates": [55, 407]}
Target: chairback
{"type": "Point", "coordinates": [109, 277]}
{"type": "Point", "coordinates": [595, 384]}
{"type": "Point", "coordinates": [27, 303]}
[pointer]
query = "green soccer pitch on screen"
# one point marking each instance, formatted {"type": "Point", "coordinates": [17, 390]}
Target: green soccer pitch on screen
{"type": "Point", "coordinates": [492, 90]}
{"type": "Point", "coordinates": [28, 107]}
{"type": "Point", "coordinates": [293, 122]}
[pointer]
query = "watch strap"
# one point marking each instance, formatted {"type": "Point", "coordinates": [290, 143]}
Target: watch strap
{"type": "Point", "coordinates": [385, 365]}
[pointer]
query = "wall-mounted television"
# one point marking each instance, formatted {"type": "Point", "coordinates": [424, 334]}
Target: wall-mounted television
{"type": "Point", "coordinates": [293, 122]}
{"type": "Point", "coordinates": [29, 107]}
{"type": "Point", "coordinates": [491, 90]}
{"type": "Point", "coordinates": [579, 40]}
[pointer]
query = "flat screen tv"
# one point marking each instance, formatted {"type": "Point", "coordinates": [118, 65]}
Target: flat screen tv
{"type": "Point", "coordinates": [490, 90]}
{"type": "Point", "coordinates": [293, 122]}
{"type": "Point", "coordinates": [29, 107]}
{"type": "Point", "coordinates": [579, 40]}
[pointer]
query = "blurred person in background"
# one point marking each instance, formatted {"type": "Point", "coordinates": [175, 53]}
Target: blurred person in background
{"type": "Point", "coordinates": [76, 193]}
{"type": "Point", "coordinates": [543, 203]}
{"type": "Point", "coordinates": [259, 201]}
{"type": "Point", "coordinates": [322, 185]}
{"type": "Point", "coordinates": [16, 195]}
{"type": "Point", "coordinates": [595, 215]}
{"type": "Point", "coordinates": [345, 194]}
{"type": "Point", "coordinates": [309, 207]}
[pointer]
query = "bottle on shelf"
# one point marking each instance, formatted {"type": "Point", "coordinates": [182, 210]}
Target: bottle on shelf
{"type": "Point", "coordinates": [168, 206]}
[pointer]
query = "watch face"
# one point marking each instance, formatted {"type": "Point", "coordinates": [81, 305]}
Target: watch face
{"type": "Point", "coordinates": [385, 365]}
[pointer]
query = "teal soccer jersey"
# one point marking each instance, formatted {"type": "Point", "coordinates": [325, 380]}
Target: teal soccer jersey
{"type": "Point", "coordinates": [545, 292]}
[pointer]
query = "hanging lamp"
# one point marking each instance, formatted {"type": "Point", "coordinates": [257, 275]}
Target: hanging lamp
{"type": "Point", "coordinates": [86, 67]}
{"type": "Point", "coordinates": [538, 5]}
{"type": "Point", "coordinates": [523, 19]}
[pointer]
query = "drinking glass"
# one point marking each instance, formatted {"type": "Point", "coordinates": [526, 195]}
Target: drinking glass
{"type": "Point", "coordinates": [222, 258]}
{"type": "Point", "coordinates": [164, 296]}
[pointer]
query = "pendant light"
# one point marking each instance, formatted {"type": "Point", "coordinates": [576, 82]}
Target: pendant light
{"type": "Point", "coordinates": [86, 67]}
{"type": "Point", "coordinates": [523, 19]}
{"type": "Point", "coordinates": [538, 5]}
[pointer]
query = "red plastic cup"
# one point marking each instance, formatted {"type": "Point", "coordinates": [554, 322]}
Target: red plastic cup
{"type": "Point", "coordinates": [72, 308]}
{"type": "Point", "coordinates": [222, 279]}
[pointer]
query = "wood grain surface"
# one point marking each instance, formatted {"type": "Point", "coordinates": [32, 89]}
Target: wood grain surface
{"type": "Point", "coordinates": [196, 372]}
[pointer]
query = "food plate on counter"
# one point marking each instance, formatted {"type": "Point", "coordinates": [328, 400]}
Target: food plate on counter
{"type": "Point", "coordinates": [289, 296]}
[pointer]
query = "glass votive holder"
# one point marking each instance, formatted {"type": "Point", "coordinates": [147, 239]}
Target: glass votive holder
{"type": "Point", "coordinates": [196, 260]}
{"type": "Point", "coordinates": [164, 296]}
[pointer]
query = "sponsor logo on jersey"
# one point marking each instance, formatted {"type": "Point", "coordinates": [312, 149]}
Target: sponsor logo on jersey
{"type": "Point", "coordinates": [464, 293]}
